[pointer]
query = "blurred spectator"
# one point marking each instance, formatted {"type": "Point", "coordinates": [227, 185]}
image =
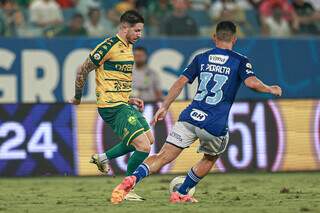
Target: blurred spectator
{"type": "Point", "coordinates": [125, 5]}
{"type": "Point", "coordinates": [307, 17]}
{"type": "Point", "coordinates": [146, 83]}
{"type": "Point", "coordinates": [276, 25]}
{"type": "Point", "coordinates": [245, 4]}
{"type": "Point", "coordinates": [2, 25]}
{"type": "Point", "coordinates": [179, 23]}
{"type": "Point", "coordinates": [23, 3]}
{"type": "Point", "coordinates": [45, 13]}
{"type": "Point", "coordinates": [156, 11]}
{"type": "Point", "coordinates": [67, 4]}
{"type": "Point", "coordinates": [94, 26]}
{"type": "Point", "coordinates": [267, 6]}
{"type": "Point", "coordinates": [75, 27]}
{"type": "Point", "coordinates": [142, 4]}
{"type": "Point", "coordinates": [230, 10]}
{"type": "Point", "coordinates": [12, 19]}
{"type": "Point", "coordinates": [255, 3]}
{"type": "Point", "coordinates": [315, 4]}
{"type": "Point", "coordinates": [159, 8]}
{"type": "Point", "coordinates": [83, 6]}
{"type": "Point", "coordinates": [202, 5]}
{"type": "Point", "coordinates": [118, 9]}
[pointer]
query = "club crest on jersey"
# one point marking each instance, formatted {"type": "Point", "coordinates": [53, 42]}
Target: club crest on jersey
{"type": "Point", "coordinates": [132, 120]}
{"type": "Point", "coordinates": [218, 59]}
{"type": "Point", "coordinates": [97, 56]}
{"type": "Point", "coordinates": [198, 115]}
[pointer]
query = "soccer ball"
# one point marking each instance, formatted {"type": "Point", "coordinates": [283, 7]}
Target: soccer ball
{"type": "Point", "coordinates": [177, 182]}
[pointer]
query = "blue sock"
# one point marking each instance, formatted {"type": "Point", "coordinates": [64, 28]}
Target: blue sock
{"type": "Point", "coordinates": [191, 180]}
{"type": "Point", "coordinates": [141, 172]}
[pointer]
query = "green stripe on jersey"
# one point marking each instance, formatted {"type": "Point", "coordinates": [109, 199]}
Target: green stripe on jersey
{"type": "Point", "coordinates": [119, 66]}
{"type": "Point", "coordinates": [119, 90]}
{"type": "Point", "coordinates": [114, 102]}
{"type": "Point", "coordinates": [114, 79]}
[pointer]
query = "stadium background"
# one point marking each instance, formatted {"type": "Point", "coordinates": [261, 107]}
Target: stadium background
{"type": "Point", "coordinates": [40, 134]}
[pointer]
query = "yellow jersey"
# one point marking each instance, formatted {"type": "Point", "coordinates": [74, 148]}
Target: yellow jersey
{"type": "Point", "coordinates": [114, 58]}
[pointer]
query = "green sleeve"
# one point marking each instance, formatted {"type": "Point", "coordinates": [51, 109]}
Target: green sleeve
{"type": "Point", "coordinates": [100, 54]}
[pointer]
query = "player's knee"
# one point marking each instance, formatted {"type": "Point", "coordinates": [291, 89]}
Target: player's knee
{"type": "Point", "coordinates": [146, 147]}
{"type": "Point", "coordinates": [143, 146]}
{"type": "Point", "coordinates": [151, 139]}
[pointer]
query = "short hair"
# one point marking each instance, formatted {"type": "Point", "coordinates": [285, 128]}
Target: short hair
{"type": "Point", "coordinates": [77, 15]}
{"type": "Point", "coordinates": [132, 17]}
{"type": "Point", "coordinates": [225, 30]}
{"type": "Point", "coordinates": [92, 10]}
{"type": "Point", "coordinates": [140, 48]}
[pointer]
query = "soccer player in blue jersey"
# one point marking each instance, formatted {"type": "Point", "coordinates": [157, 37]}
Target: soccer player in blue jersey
{"type": "Point", "coordinates": [220, 71]}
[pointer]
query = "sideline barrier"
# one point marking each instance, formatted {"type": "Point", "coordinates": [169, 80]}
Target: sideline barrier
{"type": "Point", "coordinates": [58, 139]}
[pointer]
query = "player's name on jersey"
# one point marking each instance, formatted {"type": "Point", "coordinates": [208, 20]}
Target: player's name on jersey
{"type": "Point", "coordinates": [215, 68]}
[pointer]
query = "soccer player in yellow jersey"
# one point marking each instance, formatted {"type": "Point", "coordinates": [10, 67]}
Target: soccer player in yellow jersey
{"type": "Point", "coordinates": [113, 61]}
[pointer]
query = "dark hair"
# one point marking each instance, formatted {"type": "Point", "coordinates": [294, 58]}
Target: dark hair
{"type": "Point", "coordinates": [77, 15]}
{"type": "Point", "coordinates": [140, 48]}
{"type": "Point", "coordinates": [92, 10]}
{"type": "Point", "coordinates": [225, 30]}
{"type": "Point", "coordinates": [132, 17]}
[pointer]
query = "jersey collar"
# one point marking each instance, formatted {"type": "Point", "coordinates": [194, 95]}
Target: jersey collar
{"type": "Point", "coordinates": [125, 43]}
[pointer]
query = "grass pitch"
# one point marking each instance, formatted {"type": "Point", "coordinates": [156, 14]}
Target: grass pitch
{"type": "Point", "coordinates": [222, 193]}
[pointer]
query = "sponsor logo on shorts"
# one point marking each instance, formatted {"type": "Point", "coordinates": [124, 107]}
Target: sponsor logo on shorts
{"type": "Point", "coordinates": [218, 59]}
{"type": "Point", "coordinates": [132, 120]}
{"type": "Point", "coordinates": [176, 136]}
{"type": "Point", "coordinates": [198, 115]}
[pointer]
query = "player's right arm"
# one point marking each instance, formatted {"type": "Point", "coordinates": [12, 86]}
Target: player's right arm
{"type": "Point", "coordinates": [188, 76]}
{"type": "Point", "coordinates": [174, 92]}
{"type": "Point", "coordinates": [96, 58]}
{"type": "Point", "coordinates": [81, 78]}
{"type": "Point", "coordinates": [256, 84]}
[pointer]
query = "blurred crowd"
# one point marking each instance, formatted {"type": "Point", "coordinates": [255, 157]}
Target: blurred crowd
{"type": "Point", "coordinates": [100, 18]}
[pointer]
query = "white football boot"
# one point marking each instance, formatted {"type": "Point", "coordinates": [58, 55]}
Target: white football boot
{"type": "Point", "coordinates": [101, 162]}
{"type": "Point", "coordinates": [132, 196]}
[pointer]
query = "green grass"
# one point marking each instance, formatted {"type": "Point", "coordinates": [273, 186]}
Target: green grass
{"type": "Point", "coordinates": [235, 193]}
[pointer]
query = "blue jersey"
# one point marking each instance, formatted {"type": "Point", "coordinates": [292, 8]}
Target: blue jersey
{"type": "Point", "coordinates": [220, 73]}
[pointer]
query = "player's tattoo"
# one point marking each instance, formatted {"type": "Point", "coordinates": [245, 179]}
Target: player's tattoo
{"type": "Point", "coordinates": [82, 75]}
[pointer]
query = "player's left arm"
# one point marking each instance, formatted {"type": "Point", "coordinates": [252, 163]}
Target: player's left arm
{"type": "Point", "coordinates": [256, 84]}
{"type": "Point", "coordinates": [251, 81]}
{"type": "Point", "coordinates": [174, 92]}
{"type": "Point", "coordinates": [81, 78]}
